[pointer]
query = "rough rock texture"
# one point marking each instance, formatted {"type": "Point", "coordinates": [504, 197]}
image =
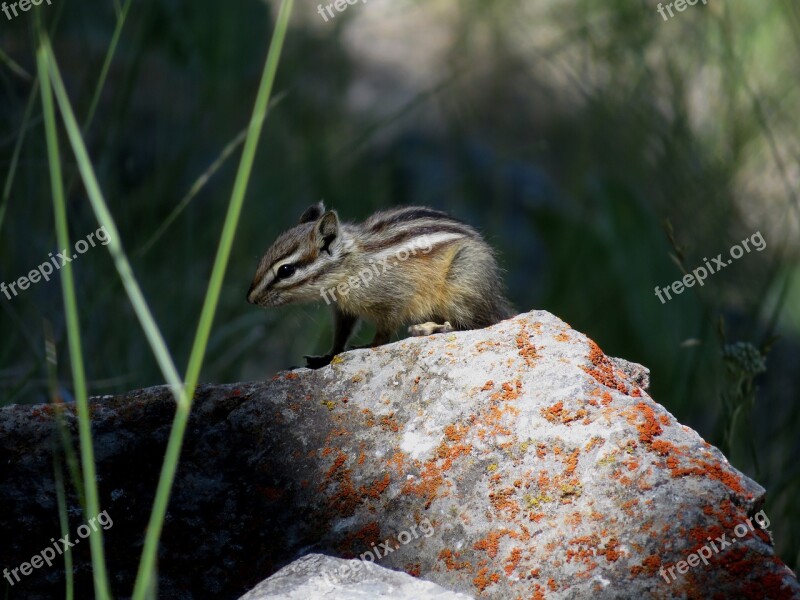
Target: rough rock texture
{"type": "Point", "coordinates": [512, 462]}
{"type": "Point", "coordinates": [326, 578]}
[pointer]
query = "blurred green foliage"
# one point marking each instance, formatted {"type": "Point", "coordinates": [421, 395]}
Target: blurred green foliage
{"type": "Point", "coordinates": [568, 132]}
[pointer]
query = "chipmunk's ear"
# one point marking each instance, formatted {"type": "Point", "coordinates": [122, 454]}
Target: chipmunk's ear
{"type": "Point", "coordinates": [312, 213]}
{"type": "Point", "coordinates": [327, 231]}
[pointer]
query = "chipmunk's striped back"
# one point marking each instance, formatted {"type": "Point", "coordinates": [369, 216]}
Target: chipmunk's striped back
{"type": "Point", "coordinates": [401, 266]}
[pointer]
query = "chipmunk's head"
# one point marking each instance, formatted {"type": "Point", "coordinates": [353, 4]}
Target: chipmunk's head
{"type": "Point", "coordinates": [302, 262]}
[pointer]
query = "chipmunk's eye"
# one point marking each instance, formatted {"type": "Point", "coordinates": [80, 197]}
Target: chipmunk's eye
{"type": "Point", "coordinates": [286, 271]}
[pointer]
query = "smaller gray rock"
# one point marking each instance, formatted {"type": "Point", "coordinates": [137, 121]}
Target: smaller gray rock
{"type": "Point", "coordinates": [327, 578]}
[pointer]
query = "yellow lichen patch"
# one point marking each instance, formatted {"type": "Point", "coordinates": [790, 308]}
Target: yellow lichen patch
{"type": "Point", "coordinates": [593, 443]}
{"type": "Point", "coordinates": [570, 490]}
{"type": "Point", "coordinates": [532, 502]}
{"type": "Point", "coordinates": [608, 459]}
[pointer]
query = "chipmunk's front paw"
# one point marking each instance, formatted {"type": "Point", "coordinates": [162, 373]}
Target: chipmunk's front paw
{"type": "Point", "coordinates": [317, 362]}
{"type": "Point", "coordinates": [430, 328]}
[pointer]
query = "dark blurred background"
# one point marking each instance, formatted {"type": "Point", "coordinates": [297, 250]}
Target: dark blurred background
{"type": "Point", "coordinates": [599, 148]}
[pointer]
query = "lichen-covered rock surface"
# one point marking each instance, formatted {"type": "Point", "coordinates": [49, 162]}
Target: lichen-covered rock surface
{"type": "Point", "coordinates": [513, 462]}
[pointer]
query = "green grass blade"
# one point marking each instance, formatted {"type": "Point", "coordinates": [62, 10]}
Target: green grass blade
{"type": "Point", "coordinates": [14, 67]}
{"type": "Point", "coordinates": [148, 562]}
{"type": "Point", "coordinates": [115, 248]}
{"type": "Point", "coordinates": [73, 324]}
{"type": "Point", "coordinates": [122, 15]}
{"type": "Point", "coordinates": [63, 521]}
{"type": "Point", "coordinates": [12, 169]}
{"type": "Point", "coordinates": [57, 402]}
{"type": "Point", "coordinates": [200, 183]}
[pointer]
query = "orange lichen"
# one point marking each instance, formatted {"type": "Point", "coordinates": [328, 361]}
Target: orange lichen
{"type": "Point", "coordinates": [512, 561]}
{"type": "Point", "coordinates": [632, 464]}
{"type": "Point", "coordinates": [346, 498]}
{"type": "Point", "coordinates": [483, 579]}
{"type": "Point", "coordinates": [427, 487]}
{"type": "Point", "coordinates": [585, 548]}
{"type": "Point", "coordinates": [337, 463]}
{"type": "Point", "coordinates": [491, 542]}
{"type": "Point", "coordinates": [526, 349]}
{"type": "Point", "coordinates": [369, 417]}
{"type": "Point", "coordinates": [649, 566]}
{"type": "Point", "coordinates": [627, 507]}
{"type": "Point", "coordinates": [665, 448]}
{"type": "Point", "coordinates": [376, 489]}
{"type": "Point", "coordinates": [649, 428]}
{"type": "Point", "coordinates": [487, 386]}
{"type": "Point", "coordinates": [451, 561]}
{"type": "Point", "coordinates": [603, 371]}
{"type": "Point", "coordinates": [610, 551]}
{"type": "Point", "coordinates": [594, 442]}
{"type": "Point", "coordinates": [557, 414]}
{"type": "Point", "coordinates": [572, 463]}
{"type": "Point", "coordinates": [455, 432]}
{"type": "Point", "coordinates": [509, 392]}
{"type": "Point", "coordinates": [502, 500]}
{"type": "Point", "coordinates": [389, 423]}
{"type": "Point", "coordinates": [536, 517]}
{"type": "Point", "coordinates": [356, 541]}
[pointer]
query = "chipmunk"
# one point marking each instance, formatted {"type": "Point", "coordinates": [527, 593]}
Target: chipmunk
{"type": "Point", "coordinates": [404, 266]}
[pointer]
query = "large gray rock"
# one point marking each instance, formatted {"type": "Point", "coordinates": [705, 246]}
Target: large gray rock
{"type": "Point", "coordinates": [512, 462]}
{"type": "Point", "coordinates": [321, 577]}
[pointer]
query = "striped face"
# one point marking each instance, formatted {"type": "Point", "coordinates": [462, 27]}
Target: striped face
{"type": "Point", "coordinates": [295, 268]}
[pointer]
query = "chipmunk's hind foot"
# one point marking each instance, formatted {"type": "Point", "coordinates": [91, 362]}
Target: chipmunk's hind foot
{"type": "Point", "coordinates": [430, 328]}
